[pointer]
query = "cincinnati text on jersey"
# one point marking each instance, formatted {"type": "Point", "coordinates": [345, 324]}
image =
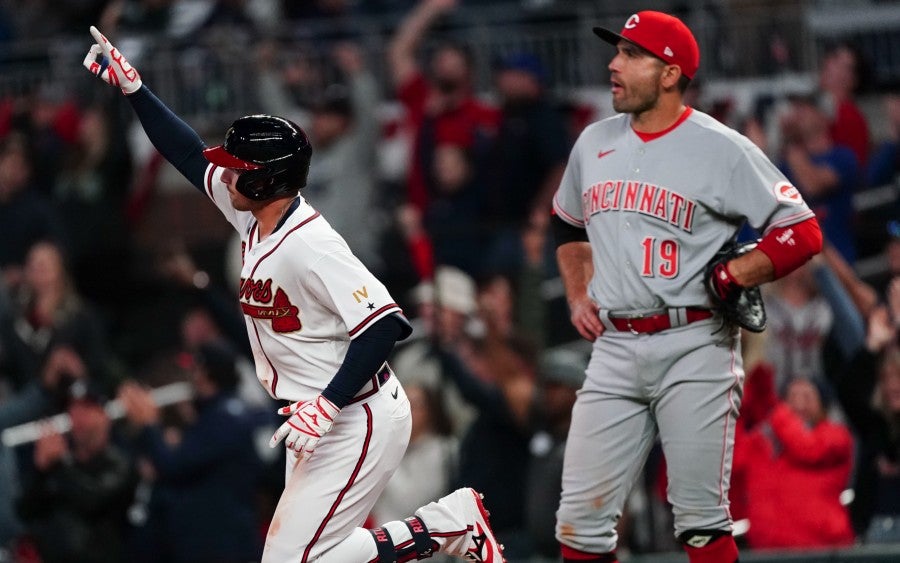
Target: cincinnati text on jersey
{"type": "Point", "coordinates": [648, 199]}
{"type": "Point", "coordinates": [285, 316]}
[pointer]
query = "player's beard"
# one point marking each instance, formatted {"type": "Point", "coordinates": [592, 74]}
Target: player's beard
{"type": "Point", "coordinates": [637, 100]}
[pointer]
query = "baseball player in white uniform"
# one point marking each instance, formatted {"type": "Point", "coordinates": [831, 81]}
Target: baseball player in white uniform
{"type": "Point", "coordinates": [648, 198]}
{"type": "Point", "coordinates": [321, 328]}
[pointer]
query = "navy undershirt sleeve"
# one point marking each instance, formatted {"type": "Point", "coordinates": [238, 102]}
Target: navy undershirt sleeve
{"type": "Point", "coordinates": [172, 137]}
{"type": "Point", "coordinates": [366, 354]}
{"type": "Point", "coordinates": [564, 233]}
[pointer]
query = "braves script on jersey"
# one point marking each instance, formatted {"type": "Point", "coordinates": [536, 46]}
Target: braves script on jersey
{"type": "Point", "coordinates": [304, 296]}
{"type": "Point", "coordinates": [656, 212]}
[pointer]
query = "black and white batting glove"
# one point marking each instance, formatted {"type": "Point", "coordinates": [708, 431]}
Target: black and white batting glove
{"type": "Point", "coordinates": [112, 66]}
{"type": "Point", "coordinates": [308, 422]}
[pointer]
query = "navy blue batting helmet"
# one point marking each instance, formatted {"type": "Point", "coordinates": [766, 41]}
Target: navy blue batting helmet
{"type": "Point", "coordinates": [273, 153]}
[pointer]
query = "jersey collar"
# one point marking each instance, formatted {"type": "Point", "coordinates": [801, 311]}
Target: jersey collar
{"type": "Point", "coordinates": [647, 137]}
{"type": "Point", "coordinates": [293, 207]}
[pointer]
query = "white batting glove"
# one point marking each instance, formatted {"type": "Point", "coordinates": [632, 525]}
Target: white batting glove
{"type": "Point", "coordinates": [113, 68]}
{"type": "Point", "coordinates": [308, 422]}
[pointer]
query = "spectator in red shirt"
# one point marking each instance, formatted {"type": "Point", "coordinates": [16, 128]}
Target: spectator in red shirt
{"type": "Point", "coordinates": [795, 463]}
{"type": "Point", "coordinates": [441, 108]}
{"type": "Point", "coordinates": [840, 78]}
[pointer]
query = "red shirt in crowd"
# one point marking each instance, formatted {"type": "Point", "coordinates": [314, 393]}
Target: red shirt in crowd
{"type": "Point", "coordinates": [791, 477]}
{"type": "Point", "coordinates": [458, 126]}
{"type": "Point", "coordinates": [849, 128]}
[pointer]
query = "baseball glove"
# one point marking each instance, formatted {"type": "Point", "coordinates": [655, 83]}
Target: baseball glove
{"type": "Point", "coordinates": [740, 305]}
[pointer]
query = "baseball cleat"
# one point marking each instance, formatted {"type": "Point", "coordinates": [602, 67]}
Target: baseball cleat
{"type": "Point", "coordinates": [483, 546]}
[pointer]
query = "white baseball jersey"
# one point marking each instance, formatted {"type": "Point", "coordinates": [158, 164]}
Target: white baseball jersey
{"type": "Point", "coordinates": [304, 295]}
{"type": "Point", "coordinates": [656, 212]}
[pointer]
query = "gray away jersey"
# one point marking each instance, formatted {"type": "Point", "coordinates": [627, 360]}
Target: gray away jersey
{"type": "Point", "coordinates": [656, 212]}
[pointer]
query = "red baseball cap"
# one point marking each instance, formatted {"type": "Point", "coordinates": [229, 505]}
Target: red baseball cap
{"type": "Point", "coordinates": [663, 35]}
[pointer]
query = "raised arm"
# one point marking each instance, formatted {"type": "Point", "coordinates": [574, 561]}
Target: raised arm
{"type": "Point", "coordinates": [171, 136]}
{"type": "Point", "coordinates": [402, 48]}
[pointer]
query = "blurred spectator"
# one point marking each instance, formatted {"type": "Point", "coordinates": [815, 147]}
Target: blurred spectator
{"type": "Point", "coordinates": [445, 310]}
{"type": "Point", "coordinates": [315, 9]}
{"type": "Point", "coordinates": [24, 213]}
{"type": "Point", "coordinates": [429, 466]}
{"type": "Point", "coordinates": [334, 20]}
{"type": "Point", "coordinates": [344, 133]}
{"type": "Point", "coordinates": [441, 108]}
{"type": "Point", "coordinates": [763, 37]}
{"type": "Point", "coordinates": [497, 306]}
{"type": "Point", "coordinates": [842, 74]}
{"type": "Point", "coordinates": [10, 526]}
{"type": "Point", "coordinates": [884, 164]}
{"type": "Point", "coordinates": [799, 325]}
{"type": "Point", "coordinates": [208, 480]}
{"type": "Point", "coordinates": [136, 16]}
{"type": "Point", "coordinates": [342, 121]}
{"type": "Point", "coordinates": [864, 368]}
{"type": "Point", "coordinates": [455, 216]}
{"type": "Point", "coordinates": [528, 157]}
{"type": "Point", "coordinates": [827, 174]}
{"type": "Point", "coordinates": [75, 506]}
{"type": "Point", "coordinates": [498, 379]}
{"type": "Point", "coordinates": [796, 464]}
{"type": "Point", "coordinates": [560, 375]}
{"type": "Point", "coordinates": [38, 397]}
{"type": "Point", "coordinates": [47, 309]}
{"type": "Point", "coordinates": [49, 120]}
{"type": "Point", "coordinates": [222, 317]}
{"type": "Point", "coordinates": [290, 78]}
{"type": "Point", "coordinates": [870, 396]}
{"type": "Point", "coordinates": [892, 253]}
{"type": "Point", "coordinates": [225, 13]}
{"type": "Point", "coordinates": [90, 193]}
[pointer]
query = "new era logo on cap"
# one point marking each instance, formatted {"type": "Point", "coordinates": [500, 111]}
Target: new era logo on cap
{"type": "Point", "coordinates": [663, 35]}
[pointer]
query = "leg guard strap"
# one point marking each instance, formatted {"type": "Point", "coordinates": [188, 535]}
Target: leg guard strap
{"type": "Point", "coordinates": [423, 545]}
{"type": "Point", "coordinates": [385, 545]}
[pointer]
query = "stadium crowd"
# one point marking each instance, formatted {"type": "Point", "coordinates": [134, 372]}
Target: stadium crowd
{"type": "Point", "coordinates": [447, 200]}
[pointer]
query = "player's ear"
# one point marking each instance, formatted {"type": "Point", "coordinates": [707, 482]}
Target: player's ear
{"type": "Point", "coordinates": [670, 76]}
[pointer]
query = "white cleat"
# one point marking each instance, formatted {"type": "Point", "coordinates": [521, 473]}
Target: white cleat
{"type": "Point", "coordinates": [483, 546]}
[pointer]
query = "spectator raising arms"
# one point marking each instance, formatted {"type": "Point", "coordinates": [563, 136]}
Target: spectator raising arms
{"type": "Point", "coordinates": [796, 462]}
{"type": "Point", "coordinates": [441, 107]}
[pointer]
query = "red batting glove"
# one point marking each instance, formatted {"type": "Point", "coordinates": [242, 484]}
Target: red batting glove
{"type": "Point", "coordinates": [723, 283]}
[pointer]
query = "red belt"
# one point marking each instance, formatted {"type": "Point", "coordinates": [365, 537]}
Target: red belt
{"type": "Point", "coordinates": [656, 322]}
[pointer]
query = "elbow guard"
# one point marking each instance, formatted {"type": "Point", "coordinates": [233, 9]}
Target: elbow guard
{"type": "Point", "coordinates": [790, 247]}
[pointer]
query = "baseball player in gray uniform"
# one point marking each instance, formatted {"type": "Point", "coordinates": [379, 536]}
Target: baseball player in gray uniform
{"type": "Point", "coordinates": [321, 327]}
{"type": "Point", "coordinates": [648, 198]}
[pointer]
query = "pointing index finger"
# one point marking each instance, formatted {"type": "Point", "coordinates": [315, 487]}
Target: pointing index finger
{"type": "Point", "coordinates": [100, 39]}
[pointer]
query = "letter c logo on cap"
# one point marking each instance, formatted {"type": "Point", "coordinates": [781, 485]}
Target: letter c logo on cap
{"type": "Point", "coordinates": [632, 21]}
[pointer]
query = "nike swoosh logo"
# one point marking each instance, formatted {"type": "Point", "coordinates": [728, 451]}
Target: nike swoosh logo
{"type": "Point", "coordinates": [601, 154]}
{"type": "Point", "coordinates": [394, 394]}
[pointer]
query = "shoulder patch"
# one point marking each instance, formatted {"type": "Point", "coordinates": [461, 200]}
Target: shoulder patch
{"type": "Point", "coordinates": [786, 192]}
